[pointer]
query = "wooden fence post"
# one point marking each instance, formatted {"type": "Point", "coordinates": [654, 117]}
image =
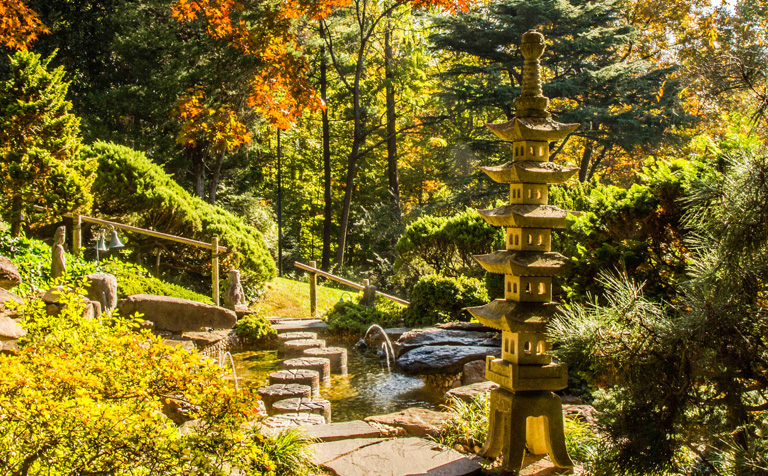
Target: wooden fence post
{"type": "Point", "coordinates": [313, 290]}
{"type": "Point", "coordinates": [215, 269]}
{"type": "Point", "coordinates": [77, 235]}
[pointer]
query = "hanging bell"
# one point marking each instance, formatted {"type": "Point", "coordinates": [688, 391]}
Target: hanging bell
{"type": "Point", "coordinates": [100, 245]}
{"type": "Point", "coordinates": [114, 241]}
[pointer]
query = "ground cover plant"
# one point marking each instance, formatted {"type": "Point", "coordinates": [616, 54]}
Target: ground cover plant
{"type": "Point", "coordinates": [33, 257]}
{"type": "Point", "coordinates": [70, 407]}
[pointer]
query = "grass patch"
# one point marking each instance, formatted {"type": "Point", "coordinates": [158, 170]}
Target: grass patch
{"type": "Point", "coordinates": [288, 298]}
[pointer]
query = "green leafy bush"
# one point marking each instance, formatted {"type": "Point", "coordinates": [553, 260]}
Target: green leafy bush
{"type": "Point", "coordinates": [443, 299]}
{"type": "Point", "coordinates": [70, 406]}
{"type": "Point", "coordinates": [350, 317]}
{"type": "Point", "coordinates": [132, 189]}
{"type": "Point", "coordinates": [255, 329]}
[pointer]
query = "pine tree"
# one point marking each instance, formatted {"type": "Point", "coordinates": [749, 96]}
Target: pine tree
{"type": "Point", "coordinates": [682, 386]}
{"type": "Point", "coordinates": [593, 73]}
{"type": "Point", "coordinates": [39, 144]}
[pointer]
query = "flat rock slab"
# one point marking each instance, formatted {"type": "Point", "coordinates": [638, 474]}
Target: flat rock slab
{"type": "Point", "coordinates": [465, 326]}
{"type": "Point", "coordinates": [202, 339]}
{"type": "Point", "coordinates": [403, 457]}
{"type": "Point", "coordinates": [299, 325]}
{"type": "Point", "coordinates": [443, 359]}
{"type": "Point", "coordinates": [467, 393]}
{"type": "Point", "coordinates": [434, 336]}
{"type": "Point", "coordinates": [177, 315]}
{"type": "Point", "coordinates": [415, 421]}
{"type": "Point", "coordinates": [355, 429]}
{"type": "Point", "coordinates": [330, 450]}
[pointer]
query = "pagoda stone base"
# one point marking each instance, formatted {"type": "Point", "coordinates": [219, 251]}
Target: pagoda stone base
{"type": "Point", "coordinates": [525, 419]}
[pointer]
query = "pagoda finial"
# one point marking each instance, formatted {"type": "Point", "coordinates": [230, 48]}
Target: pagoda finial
{"type": "Point", "coordinates": [532, 102]}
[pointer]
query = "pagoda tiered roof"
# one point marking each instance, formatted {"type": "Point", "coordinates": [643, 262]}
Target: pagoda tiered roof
{"type": "Point", "coordinates": [513, 316]}
{"type": "Point", "coordinates": [530, 171]}
{"type": "Point", "coordinates": [523, 263]}
{"type": "Point", "coordinates": [532, 128]}
{"type": "Point", "coordinates": [525, 216]}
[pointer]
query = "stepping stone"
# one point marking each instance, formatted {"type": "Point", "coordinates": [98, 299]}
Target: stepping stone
{"type": "Point", "coordinates": [307, 377]}
{"type": "Point", "coordinates": [299, 325]}
{"type": "Point", "coordinates": [344, 431]}
{"type": "Point", "coordinates": [337, 356]}
{"type": "Point", "coordinates": [328, 451]}
{"type": "Point", "coordinates": [316, 406]}
{"type": "Point", "coordinates": [297, 347]}
{"type": "Point", "coordinates": [416, 421]}
{"type": "Point", "coordinates": [277, 423]}
{"type": "Point", "coordinates": [402, 457]}
{"type": "Point", "coordinates": [323, 367]}
{"type": "Point", "coordinates": [283, 338]}
{"type": "Point", "coordinates": [281, 391]}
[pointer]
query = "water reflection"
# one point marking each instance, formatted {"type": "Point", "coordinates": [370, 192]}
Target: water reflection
{"type": "Point", "coordinates": [369, 389]}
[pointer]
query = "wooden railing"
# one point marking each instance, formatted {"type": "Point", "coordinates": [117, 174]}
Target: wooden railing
{"type": "Point", "coordinates": [314, 273]}
{"type": "Point", "coordinates": [77, 240]}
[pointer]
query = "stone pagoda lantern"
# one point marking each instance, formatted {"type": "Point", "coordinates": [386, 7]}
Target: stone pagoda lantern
{"type": "Point", "coordinates": [524, 411]}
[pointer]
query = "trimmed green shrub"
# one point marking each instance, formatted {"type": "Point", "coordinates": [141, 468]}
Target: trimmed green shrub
{"type": "Point", "coordinates": [445, 245]}
{"type": "Point", "coordinates": [132, 189]}
{"type": "Point", "coordinates": [350, 317]}
{"type": "Point", "coordinates": [255, 329]}
{"type": "Point", "coordinates": [443, 299]}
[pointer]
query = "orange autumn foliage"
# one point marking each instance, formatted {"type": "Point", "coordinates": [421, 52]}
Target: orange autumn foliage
{"type": "Point", "coordinates": [19, 25]}
{"type": "Point", "coordinates": [219, 127]}
{"type": "Point", "coordinates": [281, 91]}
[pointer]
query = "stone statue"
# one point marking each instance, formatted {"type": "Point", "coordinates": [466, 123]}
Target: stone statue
{"type": "Point", "coordinates": [235, 295]}
{"type": "Point", "coordinates": [58, 260]}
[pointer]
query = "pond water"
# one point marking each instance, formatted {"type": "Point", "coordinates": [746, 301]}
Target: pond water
{"type": "Point", "coordinates": [369, 389]}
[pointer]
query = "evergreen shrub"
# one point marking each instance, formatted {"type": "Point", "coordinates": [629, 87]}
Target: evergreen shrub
{"type": "Point", "coordinates": [443, 299]}
{"type": "Point", "coordinates": [255, 329]}
{"type": "Point", "coordinates": [445, 245]}
{"type": "Point", "coordinates": [132, 189]}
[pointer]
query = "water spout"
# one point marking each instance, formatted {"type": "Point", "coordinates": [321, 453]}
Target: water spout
{"type": "Point", "coordinates": [222, 363]}
{"type": "Point", "coordinates": [386, 345]}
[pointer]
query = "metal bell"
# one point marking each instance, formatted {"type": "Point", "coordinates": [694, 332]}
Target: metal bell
{"type": "Point", "coordinates": [114, 241]}
{"type": "Point", "coordinates": [100, 246]}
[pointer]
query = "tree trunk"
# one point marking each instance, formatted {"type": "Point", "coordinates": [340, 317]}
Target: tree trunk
{"type": "Point", "coordinates": [585, 160]}
{"type": "Point", "coordinates": [215, 179]}
{"type": "Point", "coordinates": [392, 172]}
{"type": "Point", "coordinates": [328, 205]}
{"type": "Point", "coordinates": [357, 137]}
{"type": "Point", "coordinates": [198, 170]}
{"type": "Point", "coordinates": [17, 206]}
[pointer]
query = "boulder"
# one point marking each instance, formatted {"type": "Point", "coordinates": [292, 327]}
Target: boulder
{"type": "Point", "coordinates": [473, 372]}
{"type": "Point", "coordinates": [443, 359]}
{"type": "Point", "coordinates": [175, 314]}
{"type": "Point", "coordinates": [102, 288]}
{"type": "Point", "coordinates": [415, 421]}
{"type": "Point", "coordinates": [9, 274]}
{"type": "Point", "coordinates": [10, 329]}
{"type": "Point", "coordinates": [434, 336]}
{"type": "Point", "coordinates": [6, 312]}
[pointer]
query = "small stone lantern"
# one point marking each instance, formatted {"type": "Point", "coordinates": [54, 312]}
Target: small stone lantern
{"type": "Point", "coordinates": [524, 411]}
